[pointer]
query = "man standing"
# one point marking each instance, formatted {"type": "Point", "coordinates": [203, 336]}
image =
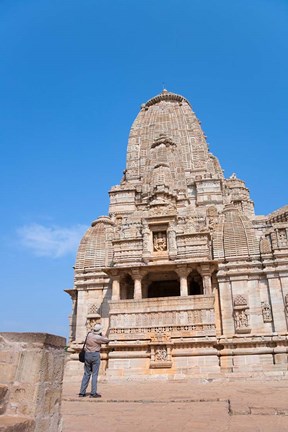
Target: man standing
{"type": "Point", "coordinates": [92, 360]}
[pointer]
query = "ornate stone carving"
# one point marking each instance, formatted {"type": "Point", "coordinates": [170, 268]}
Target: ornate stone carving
{"type": "Point", "coordinates": [194, 245]}
{"type": "Point", "coordinates": [164, 209]}
{"type": "Point", "coordinates": [160, 325]}
{"type": "Point", "coordinates": [164, 337]}
{"type": "Point", "coordinates": [241, 316]}
{"type": "Point", "coordinates": [90, 323]}
{"type": "Point", "coordinates": [240, 300]}
{"type": "Point", "coordinates": [94, 309]}
{"type": "Point", "coordinates": [93, 316]}
{"type": "Point", "coordinates": [241, 320]}
{"type": "Point", "coordinates": [163, 140]}
{"type": "Point", "coordinates": [265, 245]}
{"type": "Point", "coordinates": [282, 237]}
{"type": "Point", "coordinates": [159, 241]}
{"type": "Point", "coordinates": [266, 312]}
{"type": "Point", "coordinates": [160, 351]}
{"type": "Point", "coordinates": [175, 210]}
{"type": "Point", "coordinates": [161, 354]}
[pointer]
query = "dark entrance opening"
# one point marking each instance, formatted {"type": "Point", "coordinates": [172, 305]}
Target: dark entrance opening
{"type": "Point", "coordinates": [195, 284]}
{"type": "Point", "coordinates": [127, 288]}
{"type": "Point", "coordinates": [167, 288]}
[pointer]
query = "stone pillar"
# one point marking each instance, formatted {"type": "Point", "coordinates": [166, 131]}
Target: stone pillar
{"type": "Point", "coordinates": [277, 303]}
{"type": "Point", "coordinates": [116, 288]}
{"type": "Point", "coordinates": [183, 286]}
{"type": "Point", "coordinates": [254, 301]}
{"type": "Point", "coordinates": [137, 288]}
{"type": "Point", "coordinates": [172, 245]}
{"type": "Point", "coordinates": [284, 281]}
{"type": "Point", "coordinates": [218, 322]}
{"type": "Point", "coordinates": [226, 304]}
{"type": "Point", "coordinates": [206, 277]}
{"type": "Point", "coordinates": [72, 318]}
{"type": "Point", "coordinates": [82, 301]}
{"type": "Point", "coordinates": [183, 274]}
{"type": "Point", "coordinates": [207, 286]}
{"type": "Point", "coordinates": [147, 243]}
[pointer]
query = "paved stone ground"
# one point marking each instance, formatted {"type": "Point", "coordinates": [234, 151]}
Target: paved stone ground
{"type": "Point", "coordinates": [185, 406]}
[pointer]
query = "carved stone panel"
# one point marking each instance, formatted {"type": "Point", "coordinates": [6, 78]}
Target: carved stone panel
{"type": "Point", "coordinates": [150, 320]}
{"type": "Point", "coordinates": [266, 312]}
{"type": "Point", "coordinates": [160, 346]}
{"type": "Point", "coordinates": [241, 315]}
{"type": "Point", "coordinates": [159, 241]}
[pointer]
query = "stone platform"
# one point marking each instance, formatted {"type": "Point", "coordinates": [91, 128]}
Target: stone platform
{"type": "Point", "coordinates": [166, 406]}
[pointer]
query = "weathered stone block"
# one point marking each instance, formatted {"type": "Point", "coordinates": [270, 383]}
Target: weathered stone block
{"type": "Point", "coordinates": [34, 378]}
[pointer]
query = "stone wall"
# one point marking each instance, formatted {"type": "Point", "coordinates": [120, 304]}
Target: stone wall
{"type": "Point", "coordinates": [31, 368]}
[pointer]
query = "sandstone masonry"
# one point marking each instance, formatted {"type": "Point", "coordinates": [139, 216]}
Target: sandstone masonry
{"type": "Point", "coordinates": [31, 375]}
{"type": "Point", "coordinates": [186, 279]}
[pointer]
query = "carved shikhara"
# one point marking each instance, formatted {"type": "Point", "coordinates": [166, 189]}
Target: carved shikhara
{"type": "Point", "coordinates": [182, 273]}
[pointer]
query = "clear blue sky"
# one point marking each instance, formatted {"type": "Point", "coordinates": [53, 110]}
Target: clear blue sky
{"type": "Point", "coordinates": [73, 76]}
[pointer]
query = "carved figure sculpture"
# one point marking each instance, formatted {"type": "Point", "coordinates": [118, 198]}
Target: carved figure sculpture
{"type": "Point", "coordinates": [161, 354]}
{"type": "Point", "coordinates": [241, 319]}
{"type": "Point", "coordinates": [159, 242]}
{"type": "Point", "coordinates": [266, 312]}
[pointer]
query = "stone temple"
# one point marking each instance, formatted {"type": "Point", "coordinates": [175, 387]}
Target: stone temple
{"type": "Point", "coordinates": [183, 275]}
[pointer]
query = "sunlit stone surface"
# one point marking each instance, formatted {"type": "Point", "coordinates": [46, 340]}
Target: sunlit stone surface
{"type": "Point", "coordinates": [186, 279]}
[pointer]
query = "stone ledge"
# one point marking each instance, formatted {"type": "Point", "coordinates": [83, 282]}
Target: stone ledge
{"type": "Point", "coordinates": [39, 338]}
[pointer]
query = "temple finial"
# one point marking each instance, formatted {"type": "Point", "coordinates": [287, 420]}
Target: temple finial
{"type": "Point", "coordinates": [163, 87]}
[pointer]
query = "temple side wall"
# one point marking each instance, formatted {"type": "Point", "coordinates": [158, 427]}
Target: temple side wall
{"type": "Point", "coordinates": [32, 368]}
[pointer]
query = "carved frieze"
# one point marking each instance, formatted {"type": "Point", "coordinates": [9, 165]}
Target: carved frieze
{"type": "Point", "coordinates": [127, 250]}
{"type": "Point", "coordinates": [166, 209]}
{"type": "Point", "coordinates": [163, 323]}
{"type": "Point", "coordinates": [193, 245]}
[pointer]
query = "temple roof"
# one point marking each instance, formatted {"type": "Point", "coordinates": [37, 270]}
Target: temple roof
{"type": "Point", "coordinates": [280, 215]}
{"type": "Point", "coordinates": [165, 96]}
{"type": "Point", "coordinates": [170, 116]}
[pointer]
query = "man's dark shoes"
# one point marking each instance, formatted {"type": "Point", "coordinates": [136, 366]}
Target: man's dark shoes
{"type": "Point", "coordinates": [96, 395]}
{"type": "Point", "coordinates": [81, 395]}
